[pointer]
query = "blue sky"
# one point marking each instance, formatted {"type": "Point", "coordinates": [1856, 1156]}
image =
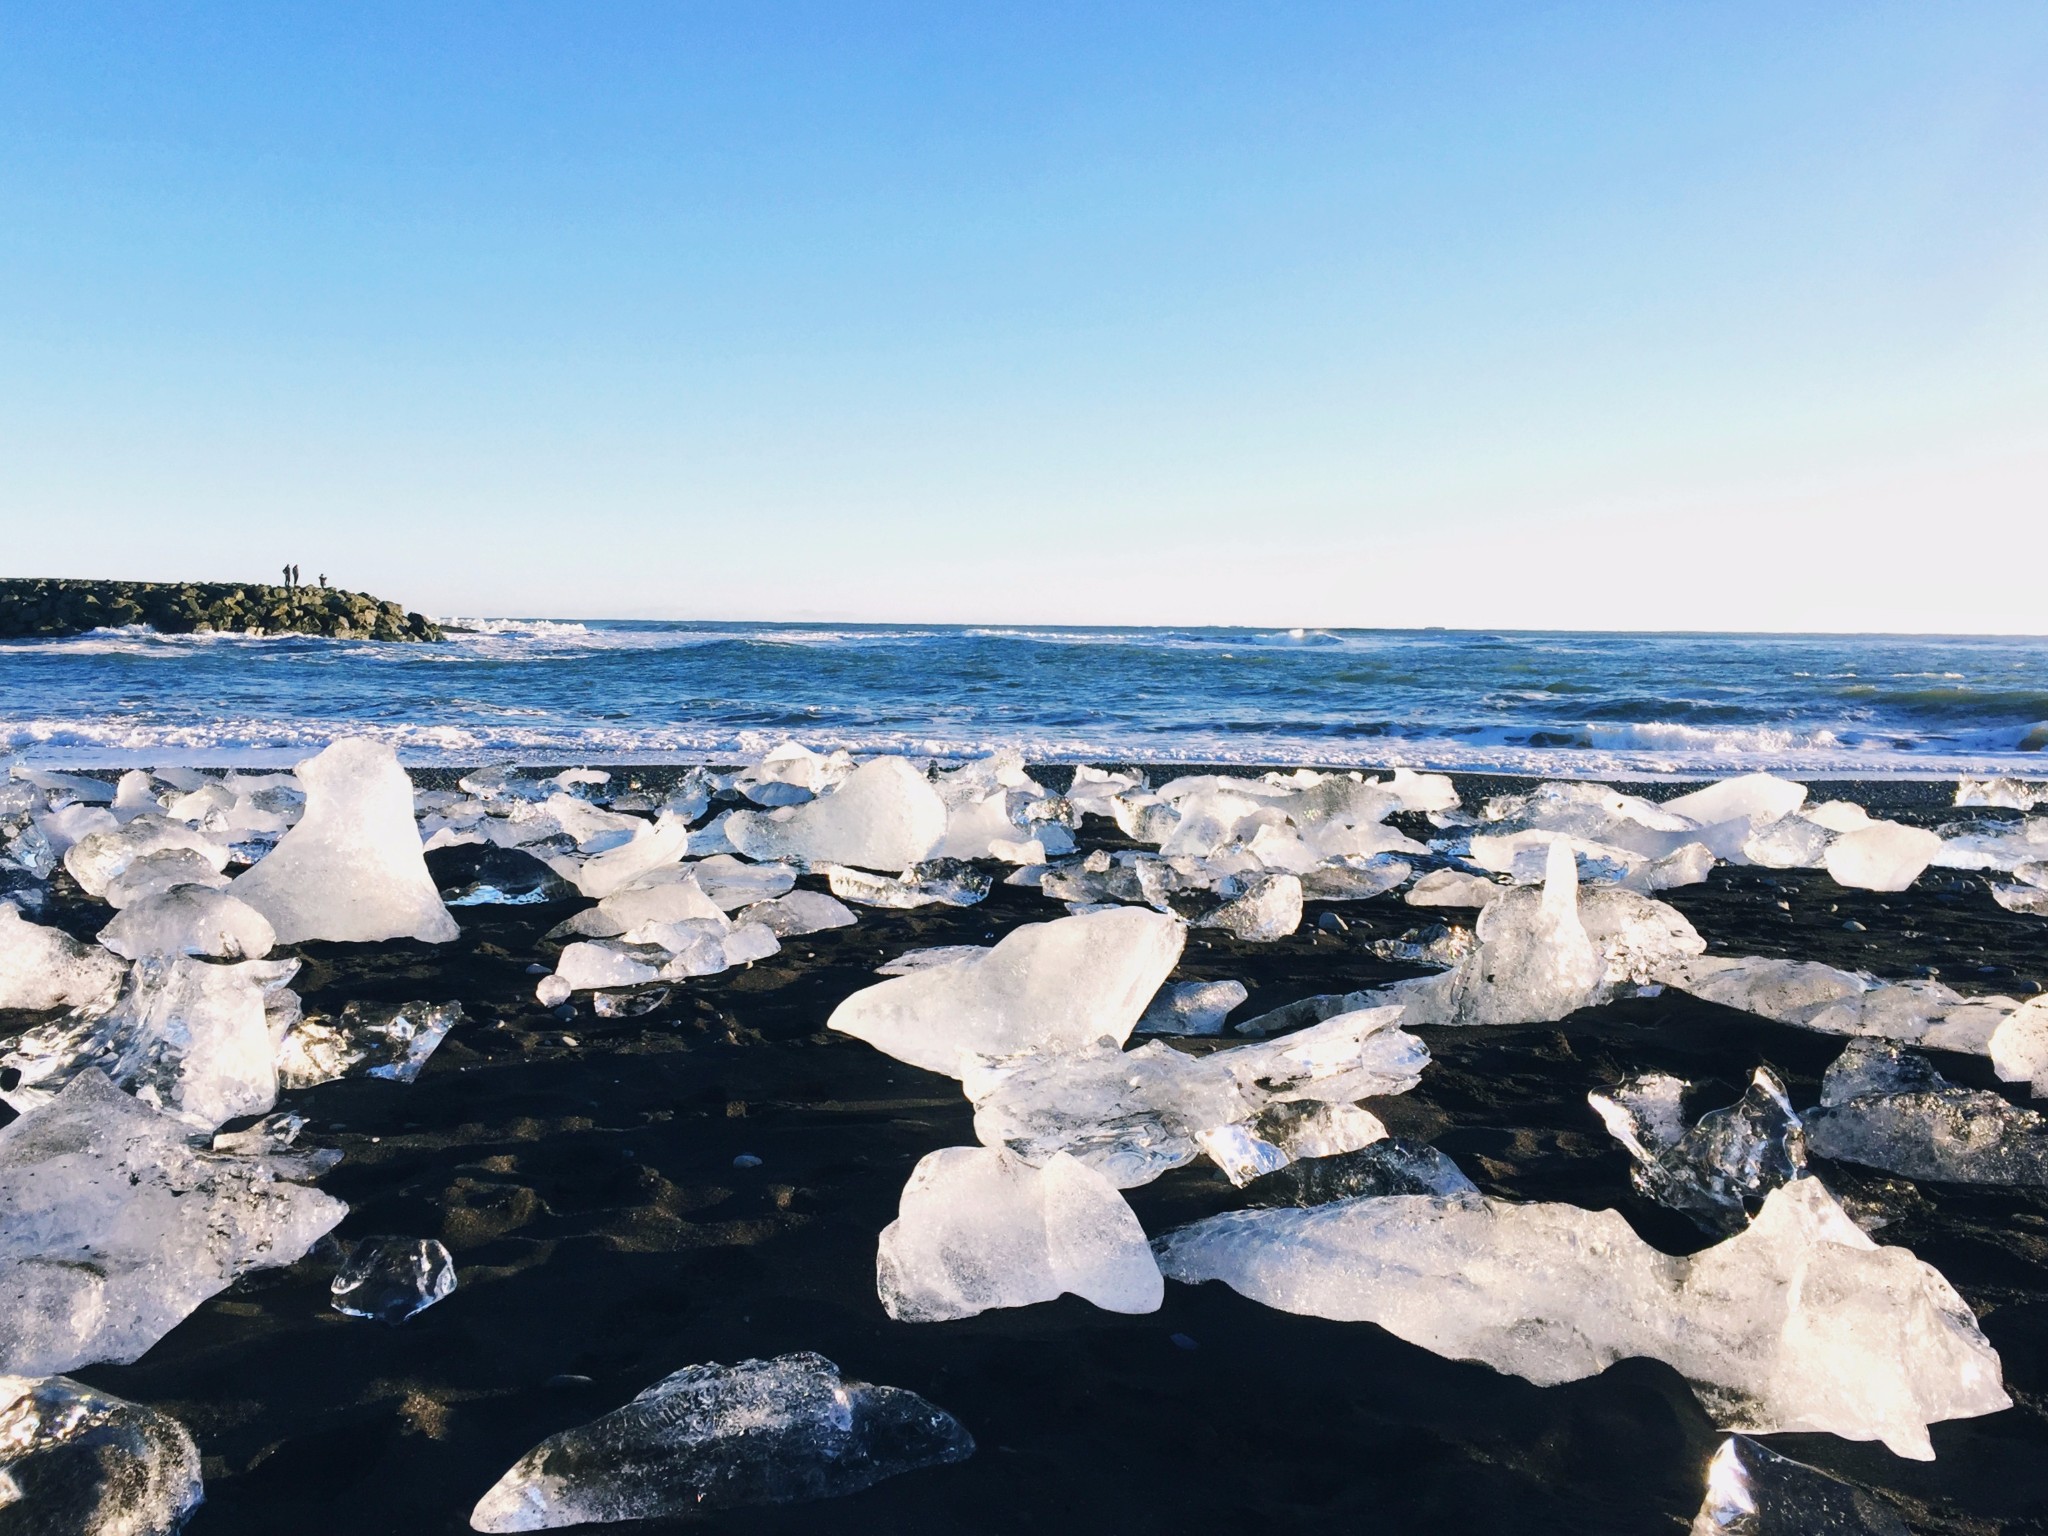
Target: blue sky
{"type": "Point", "coordinates": [1554, 315]}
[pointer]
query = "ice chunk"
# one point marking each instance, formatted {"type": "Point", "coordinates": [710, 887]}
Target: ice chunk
{"type": "Point", "coordinates": [748, 942]}
{"type": "Point", "coordinates": [1886, 1107]}
{"type": "Point", "coordinates": [112, 1229]}
{"type": "Point", "coordinates": [2021, 898]}
{"type": "Point", "coordinates": [44, 968]}
{"type": "Point", "coordinates": [938, 882]}
{"type": "Point", "coordinates": [1438, 944]}
{"type": "Point", "coordinates": [713, 1437]}
{"type": "Point", "coordinates": [375, 1040]}
{"type": "Point", "coordinates": [1753, 1491]}
{"type": "Point", "coordinates": [1352, 879]}
{"type": "Point", "coordinates": [485, 875]}
{"type": "Point", "coordinates": [1449, 888]}
{"type": "Point", "coordinates": [1191, 1008]}
{"type": "Point", "coordinates": [392, 1278]}
{"type": "Point", "coordinates": [190, 920]}
{"type": "Point", "coordinates": [2019, 1046]}
{"type": "Point", "coordinates": [800, 912]}
{"type": "Point", "coordinates": [793, 763]}
{"type": "Point", "coordinates": [552, 991]}
{"type": "Point", "coordinates": [1883, 856]}
{"type": "Point", "coordinates": [670, 895]}
{"type": "Point", "coordinates": [604, 963]}
{"type": "Point", "coordinates": [1067, 982]}
{"type": "Point", "coordinates": [656, 845]}
{"type": "Point", "coordinates": [2015, 794]}
{"type": "Point", "coordinates": [1423, 792]}
{"type": "Point", "coordinates": [732, 885]}
{"type": "Point", "coordinates": [1134, 1115]}
{"type": "Point", "coordinates": [1268, 907]}
{"type": "Point", "coordinates": [352, 868]}
{"type": "Point", "coordinates": [1639, 940]}
{"type": "Point", "coordinates": [924, 959]}
{"type": "Point", "coordinates": [1792, 842]}
{"type": "Point", "coordinates": [1799, 1322]}
{"type": "Point", "coordinates": [885, 815]}
{"type": "Point", "coordinates": [1756, 797]}
{"type": "Point", "coordinates": [1721, 1169]}
{"type": "Point", "coordinates": [78, 1462]}
{"type": "Point", "coordinates": [1390, 1166]}
{"type": "Point", "coordinates": [978, 1229]}
{"type": "Point", "coordinates": [97, 859]}
{"type": "Point", "coordinates": [190, 1037]}
{"type": "Point", "coordinates": [162, 871]}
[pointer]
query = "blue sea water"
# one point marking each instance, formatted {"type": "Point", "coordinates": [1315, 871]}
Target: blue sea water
{"type": "Point", "coordinates": [550, 692]}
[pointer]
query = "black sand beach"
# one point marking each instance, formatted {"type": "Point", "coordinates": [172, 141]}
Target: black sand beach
{"type": "Point", "coordinates": [583, 1175]}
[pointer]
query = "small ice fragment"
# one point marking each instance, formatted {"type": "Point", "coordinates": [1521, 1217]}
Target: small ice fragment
{"type": "Point", "coordinates": [79, 1462]}
{"type": "Point", "coordinates": [731, 884]}
{"type": "Point", "coordinates": [377, 1040]}
{"type": "Point", "coordinates": [1450, 888]}
{"type": "Point", "coordinates": [1887, 1108]}
{"type": "Point", "coordinates": [712, 1437]}
{"type": "Point", "coordinates": [884, 815]}
{"type": "Point", "coordinates": [2021, 898]}
{"type": "Point", "coordinates": [1070, 981]}
{"type": "Point", "coordinates": [1883, 856]}
{"type": "Point", "coordinates": [2015, 794]}
{"type": "Point", "coordinates": [43, 968]}
{"type": "Point", "coordinates": [979, 1229]}
{"type": "Point", "coordinates": [1191, 1008]}
{"type": "Point", "coordinates": [1352, 879]}
{"type": "Point", "coordinates": [2019, 1046]}
{"type": "Point", "coordinates": [939, 882]}
{"type": "Point", "coordinates": [1390, 1166]}
{"type": "Point", "coordinates": [1267, 908]}
{"type": "Point", "coordinates": [485, 875]}
{"type": "Point", "coordinates": [605, 963]}
{"type": "Point", "coordinates": [552, 990]}
{"type": "Point", "coordinates": [89, 1277]}
{"type": "Point", "coordinates": [1798, 1322]}
{"type": "Point", "coordinates": [97, 860]}
{"type": "Point", "coordinates": [162, 871]}
{"type": "Point", "coordinates": [189, 920]}
{"type": "Point", "coordinates": [912, 960]}
{"type": "Point", "coordinates": [1753, 1491]}
{"type": "Point", "coordinates": [1438, 944]}
{"type": "Point", "coordinates": [1757, 797]}
{"type": "Point", "coordinates": [629, 1005]}
{"type": "Point", "coordinates": [351, 869]}
{"type": "Point", "coordinates": [1722, 1168]}
{"type": "Point", "coordinates": [799, 912]}
{"type": "Point", "coordinates": [392, 1278]}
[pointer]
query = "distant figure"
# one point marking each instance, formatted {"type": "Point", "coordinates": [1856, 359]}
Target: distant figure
{"type": "Point", "coordinates": [295, 575]}
{"type": "Point", "coordinates": [323, 581]}
{"type": "Point", "coordinates": [287, 577]}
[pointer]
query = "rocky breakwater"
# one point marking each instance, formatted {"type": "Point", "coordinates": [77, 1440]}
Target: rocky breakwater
{"type": "Point", "coordinates": [47, 609]}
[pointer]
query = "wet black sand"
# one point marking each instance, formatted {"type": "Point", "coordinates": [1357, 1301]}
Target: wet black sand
{"type": "Point", "coordinates": [582, 1173]}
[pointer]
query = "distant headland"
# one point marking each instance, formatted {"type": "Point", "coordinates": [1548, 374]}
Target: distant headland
{"type": "Point", "coordinates": [45, 608]}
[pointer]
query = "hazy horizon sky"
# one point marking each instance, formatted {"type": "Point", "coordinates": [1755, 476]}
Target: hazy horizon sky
{"type": "Point", "coordinates": [1516, 315]}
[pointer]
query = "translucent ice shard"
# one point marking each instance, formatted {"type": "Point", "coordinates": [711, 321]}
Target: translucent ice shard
{"type": "Point", "coordinates": [1755, 797]}
{"type": "Point", "coordinates": [732, 884]}
{"type": "Point", "coordinates": [1265, 908]}
{"type": "Point", "coordinates": [190, 1037]}
{"type": "Point", "coordinates": [714, 1437]}
{"type": "Point", "coordinates": [375, 1040]}
{"type": "Point", "coordinates": [154, 873]}
{"type": "Point", "coordinates": [936, 882]}
{"type": "Point", "coordinates": [352, 868]}
{"type": "Point", "coordinates": [800, 912]}
{"type": "Point", "coordinates": [1886, 1107]}
{"type": "Point", "coordinates": [885, 815]}
{"type": "Point", "coordinates": [112, 1229]}
{"type": "Point", "coordinates": [1391, 1166]}
{"type": "Point", "coordinates": [1883, 856]}
{"type": "Point", "coordinates": [392, 1278]}
{"type": "Point", "coordinates": [78, 1462]}
{"type": "Point", "coordinates": [1191, 1008]}
{"type": "Point", "coordinates": [1072, 981]}
{"type": "Point", "coordinates": [484, 875]}
{"type": "Point", "coordinates": [190, 920]}
{"type": "Point", "coordinates": [1799, 1322]}
{"type": "Point", "coordinates": [1449, 888]}
{"type": "Point", "coordinates": [1721, 1169]}
{"type": "Point", "coordinates": [97, 860]}
{"type": "Point", "coordinates": [2019, 1046]}
{"type": "Point", "coordinates": [44, 968]}
{"type": "Point", "coordinates": [978, 1229]}
{"type": "Point", "coordinates": [1753, 1491]}
{"type": "Point", "coordinates": [2016, 794]}
{"type": "Point", "coordinates": [667, 895]}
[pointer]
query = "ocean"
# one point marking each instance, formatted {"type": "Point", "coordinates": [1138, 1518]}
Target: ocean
{"type": "Point", "coordinates": [1562, 704]}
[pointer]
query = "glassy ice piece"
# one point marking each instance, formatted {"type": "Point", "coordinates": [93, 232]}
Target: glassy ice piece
{"type": "Point", "coordinates": [711, 1437]}
{"type": "Point", "coordinates": [2019, 1046]}
{"type": "Point", "coordinates": [1191, 1008]}
{"type": "Point", "coordinates": [352, 868]}
{"type": "Point", "coordinates": [924, 959]}
{"type": "Point", "coordinates": [667, 895]}
{"type": "Point", "coordinates": [1883, 856]}
{"type": "Point", "coordinates": [1391, 1166]}
{"type": "Point", "coordinates": [1067, 982]}
{"type": "Point", "coordinates": [1267, 908]}
{"type": "Point", "coordinates": [1438, 944]}
{"type": "Point", "coordinates": [800, 912]}
{"type": "Point", "coordinates": [31, 851]}
{"type": "Point", "coordinates": [1756, 797]}
{"type": "Point", "coordinates": [552, 991]}
{"type": "Point", "coordinates": [43, 968]}
{"type": "Point", "coordinates": [629, 1005]}
{"type": "Point", "coordinates": [77, 1462]}
{"type": "Point", "coordinates": [748, 942]}
{"type": "Point", "coordinates": [373, 1039]}
{"type": "Point", "coordinates": [1791, 843]}
{"type": "Point", "coordinates": [978, 1229]}
{"type": "Point", "coordinates": [190, 920]}
{"type": "Point", "coordinates": [1886, 1107]}
{"type": "Point", "coordinates": [485, 875]}
{"type": "Point", "coordinates": [2015, 794]}
{"type": "Point", "coordinates": [1353, 879]}
{"type": "Point", "coordinates": [731, 884]}
{"type": "Point", "coordinates": [2021, 898]}
{"type": "Point", "coordinates": [1722, 1168]}
{"type": "Point", "coordinates": [187, 1036]}
{"type": "Point", "coordinates": [650, 847]}
{"type": "Point", "coordinates": [938, 882]}
{"type": "Point", "coordinates": [608, 963]}
{"type": "Point", "coordinates": [1799, 1322]}
{"type": "Point", "coordinates": [392, 1278]}
{"type": "Point", "coordinates": [1449, 888]}
{"type": "Point", "coordinates": [112, 1228]}
{"type": "Point", "coordinates": [884, 815]}
{"type": "Point", "coordinates": [1753, 1491]}
{"type": "Point", "coordinates": [155, 872]}
{"type": "Point", "coordinates": [96, 860]}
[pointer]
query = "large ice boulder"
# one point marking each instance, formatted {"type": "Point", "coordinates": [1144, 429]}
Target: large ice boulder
{"type": "Point", "coordinates": [112, 1228]}
{"type": "Point", "coordinates": [722, 1437]}
{"type": "Point", "coordinates": [352, 869]}
{"type": "Point", "coordinates": [885, 816]}
{"type": "Point", "coordinates": [979, 1229]}
{"type": "Point", "coordinates": [1071, 981]}
{"type": "Point", "coordinates": [47, 968]}
{"type": "Point", "coordinates": [1798, 1323]}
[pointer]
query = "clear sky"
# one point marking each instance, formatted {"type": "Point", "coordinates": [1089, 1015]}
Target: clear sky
{"type": "Point", "coordinates": [1644, 315]}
